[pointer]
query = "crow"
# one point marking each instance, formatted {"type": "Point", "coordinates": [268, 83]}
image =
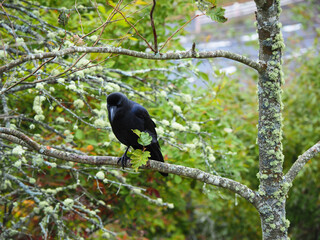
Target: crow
{"type": "Point", "coordinates": [126, 115]}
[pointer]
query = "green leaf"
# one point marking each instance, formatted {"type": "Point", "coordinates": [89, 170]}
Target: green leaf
{"type": "Point", "coordinates": [139, 158]}
{"type": "Point", "coordinates": [204, 76]}
{"type": "Point", "coordinates": [136, 131]}
{"type": "Point", "coordinates": [144, 137]}
{"type": "Point", "coordinates": [177, 179]}
{"type": "Point", "coordinates": [79, 134]}
{"type": "Point", "coordinates": [217, 14]}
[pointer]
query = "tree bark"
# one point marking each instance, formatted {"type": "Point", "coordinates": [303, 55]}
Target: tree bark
{"type": "Point", "coordinates": [272, 188]}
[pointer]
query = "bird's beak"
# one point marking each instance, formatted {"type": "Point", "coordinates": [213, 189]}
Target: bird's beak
{"type": "Point", "coordinates": [112, 111]}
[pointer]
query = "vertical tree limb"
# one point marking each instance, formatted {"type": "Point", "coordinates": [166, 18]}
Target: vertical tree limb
{"type": "Point", "coordinates": [153, 27]}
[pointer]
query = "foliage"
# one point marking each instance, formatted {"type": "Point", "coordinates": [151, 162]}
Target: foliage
{"type": "Point", "coordinates": [212, 10]}
{"type": "Point", "coordinates": [302, 121]}
{"type": "Point", "coordinates": [144, 138]}
{"type": "Point", "coordinates": [140, 157]}
{"type": "Point", "coordinates": [63, 105]}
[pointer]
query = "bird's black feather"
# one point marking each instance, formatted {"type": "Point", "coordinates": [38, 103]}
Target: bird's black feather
{"type": "Point", "coordinates": [126, 115]}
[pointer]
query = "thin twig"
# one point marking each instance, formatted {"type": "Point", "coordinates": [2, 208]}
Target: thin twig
{"type": "Point", "coordinates": [113, 21]}
{"type": "Point", "coordinates": [25, 78]}
{"type": "Point", "coordinates": [153, 27]}
{"type": "Point", "coordinates": [80, 20]}
{"type": "Point", "coordinates": [67, 109]}
{"type": "Point", "coordinates": [12, 27]}
{"type": "Point", "coordinates": [96, 7]}
{"type": "Point", "coordinates": [127, 21]}
{"type": "Point", "coordinates": [5, 108]}
{"type": "Point", "coordinates": [112, 14]}
{"type": "Point", "coordinates": [198, 15]}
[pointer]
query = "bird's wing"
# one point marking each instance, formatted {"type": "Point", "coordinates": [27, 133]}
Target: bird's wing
{"type": "Point", "coordinates": [149, 125]}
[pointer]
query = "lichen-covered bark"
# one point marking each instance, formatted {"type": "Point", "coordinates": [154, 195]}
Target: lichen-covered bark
{"type": "Point", "coordinates": [236, 187]}
{"type": "Point", "coordinates": [272, 188]}
{"type": "Point", "coordinates": [301, 161]}
{"type": "Point", "coordinates": [127, 52]}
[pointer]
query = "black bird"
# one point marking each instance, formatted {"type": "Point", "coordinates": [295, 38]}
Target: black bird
{"type": "Point", "coordinates": [126, 115]}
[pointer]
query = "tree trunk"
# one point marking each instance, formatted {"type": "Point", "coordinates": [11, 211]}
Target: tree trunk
{"type": "Point", "coordinates": [272, 189]}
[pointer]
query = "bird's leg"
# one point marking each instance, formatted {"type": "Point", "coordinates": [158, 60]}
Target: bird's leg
{"type": "Point", "coordinates": [124, 158]}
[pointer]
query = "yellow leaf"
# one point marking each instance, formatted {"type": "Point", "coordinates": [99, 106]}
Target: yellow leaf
{"type": "Point", "coordinates": [140, 2]}
{"type": "Point", "coordinates": [59, 109]}
{"type": "Point", "coordinates": [133, 38]}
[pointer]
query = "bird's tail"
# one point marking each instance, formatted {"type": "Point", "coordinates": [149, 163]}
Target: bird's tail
{"type": "Point", "coordinates": [156, 154]}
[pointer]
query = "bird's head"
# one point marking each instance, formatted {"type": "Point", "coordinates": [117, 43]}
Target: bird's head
{"type": "Point", "coordinates": [116, 101]}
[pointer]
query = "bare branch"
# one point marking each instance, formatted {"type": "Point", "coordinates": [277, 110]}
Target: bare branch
{"type": "Point", "coordinates": [14, 139]}
{"type": "Point", "coordinates": [193, 173]}
{"type": "Point", "coordinates": [153, 27]}
{"type": "Point", "coordinates": [301, 161]}
{"type": "Point", "coordinates": [122, 51]}
{"type": "Point", "coordinates": [31, 74]}
{"type": "Point", "coordinates": [5, 108]}
{"type": "Point", "coordinates": [131, 25]}
{"type": "Point", "coordinates": [46, 126]}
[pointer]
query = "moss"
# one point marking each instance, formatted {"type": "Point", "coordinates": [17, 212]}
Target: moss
{"type": "Point", "coordinates": [273, 226]}
{"type": "Point", "coordinates": [282, 81]}
{"type": "Point", "coordinates": [262, 193]}
{"type": "Point", "coordinates": [271, 152]}
{"type": "Point", "coordinates": [43, 204]}
{"type": "Point", "coordinates": [269, 219]}
{"type": "Point", "coordinates": [272, 63]}
{"type": "Point", "coordinates": [286, 187]}
{"type": "Point", "coordinates": [278, 42]}
{"type": "Point", "coordinates": [262, 131]}
{"type": "Point", "coordinates": [274, 163]}
{"type": "Point", "coordinates": [277, 194]}
{"type": "Point", "coordinates": [287, 223]}
{"type": "Point", "coordinates": [279, 155]}
{"type": "Point", "coordinates": [48, 210]}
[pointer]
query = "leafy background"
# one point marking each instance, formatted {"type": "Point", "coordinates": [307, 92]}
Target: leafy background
{"type": "Point", "coordinates": [212, 128]}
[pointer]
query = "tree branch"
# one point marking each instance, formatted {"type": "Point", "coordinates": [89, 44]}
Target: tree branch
{"type": "Point", "coordinates": [131, 25]}
{"type": "Point", "coordinates": [301, 161]}
{"type": "Point", "coordinates": [153, 27]}
{"type": "Point", "coordinates": [31, 74]}
{"type": "Point", "coordinates": [193, 173]}
{"type": "Point", "coordinates": [122, 51]}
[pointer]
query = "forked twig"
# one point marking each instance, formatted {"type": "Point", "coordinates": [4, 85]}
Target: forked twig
{"type": "Point", "coordinates": [127, 21]}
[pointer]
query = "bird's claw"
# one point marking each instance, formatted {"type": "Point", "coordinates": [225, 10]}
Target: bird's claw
{"type": "Point", "coordinates": [123, 160]}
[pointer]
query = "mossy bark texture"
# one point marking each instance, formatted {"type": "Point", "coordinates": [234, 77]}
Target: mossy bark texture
{"type": "Point", "coordinates": [272, 187]}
